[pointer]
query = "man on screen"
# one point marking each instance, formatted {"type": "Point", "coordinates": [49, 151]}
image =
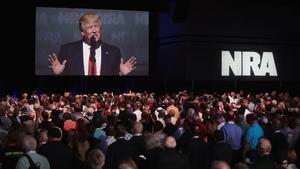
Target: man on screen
{"type": "Point", "coordinates": [90, 56]}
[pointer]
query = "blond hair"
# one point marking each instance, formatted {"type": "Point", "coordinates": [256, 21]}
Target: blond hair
{"type": "Point", "coordinates": [88, 16]}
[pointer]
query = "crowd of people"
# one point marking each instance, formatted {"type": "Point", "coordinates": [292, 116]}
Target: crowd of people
{"type": "Point", "coordinates": [141, 130]}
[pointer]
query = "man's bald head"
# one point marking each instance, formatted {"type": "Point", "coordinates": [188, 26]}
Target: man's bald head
{"type": "Point", "coordinates": [219, 165]}
{"type": "Point", "coordinates": [264, 146]}
{"type": "Point", "coordinates": [170, 142]}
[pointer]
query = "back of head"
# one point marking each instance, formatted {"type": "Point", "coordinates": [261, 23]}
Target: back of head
{"type": "Point", "coordinates": [95, 159]}
{"type": "Point", "coordinates": [120, 129]}
{"type": "Point", "coordinates": [219, 135]}
{"type": "Point", "coordinates": [151, 142]}
{"type": "Point", "coordinates": [219, 165]}
{"type": "Point", "coordinates": [292, 155]}
{"type": "Point", "coordinates": [230, 117]}
{"type": "Point", "coordinates": [110, 130]}
{"type": "Point", "coordinates": [264, 146]}
{"type": "Point", "coordinates": [276, 124]}
{"type": "Point", "coordinates": [128, 164]}
{"type": "Point", "coordinates": [251, 118]}
{"type": "Point", "coordinates": [170, 142]}
{"type": "Point", "coordinates": [54, 133]}
{"type": "Point", "coordinates": [157, 126]}
{"type": "Point", "coordinates": [137, 128]}
{"type": "Point", "coordinates": [241, 166]}
{"type": "Point", "coordinates": [172, 102]}
{"type": "Point", "coordinates": [29, 143]}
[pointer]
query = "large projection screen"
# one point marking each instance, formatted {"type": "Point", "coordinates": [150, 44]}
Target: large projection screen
{"type": "Point", "coordinates": [124, 29]}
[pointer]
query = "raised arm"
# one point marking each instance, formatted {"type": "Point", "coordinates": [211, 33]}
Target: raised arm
{"type": "Point", "coordinates": [55, 65]}
{"type": "Point", "coordinates": [128, 66]}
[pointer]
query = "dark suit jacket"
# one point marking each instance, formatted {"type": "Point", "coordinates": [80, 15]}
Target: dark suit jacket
{"type": "Point", "coordinates": [173, 159]}
{"type": "Point", "coordinates": [198, 153]}
{"type": "Point", "coordinates": [222, 151]}
{"type": "Point", "coordinates": [59, 155]}
{"type": "Point", "coordinates": [263, 162]}
{"type": "Point", "coordinates": [138, 142]}
{"type": "Point", "coordinates": [73, 53]}
{"type": "Point", "coordinates": [117, 152]}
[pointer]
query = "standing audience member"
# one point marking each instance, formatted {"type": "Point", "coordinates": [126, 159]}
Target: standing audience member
{"type": "Point", "coordinates": [254, 133]}
{"type": "Point", "coordinates": [95, 159]}
{"type": "Point", "coordinates": [221, 148]}
{"type": "Point", "coordinates": [59, 155]}
{"type": "Point", "coordinates": [198, 150]}
{"type": "Point", "coordinates": [29, 145]}
{"type": "Point", "coordinates": [278, 140]}
{"type": "Point", "coordinates": [138, 140]}
{"type": "Point", "coordinates": [264, 160]}
{"type": "Point", "coordinates": [233, 136]}
{"type": "Point", "coordinates": [153, 151]}
{"type": "Point", "coordinates": [120, 150]}
{"type": "Point", "coordinates": [12, 152]}
{"type": "Point", "coordinates": [171, 158]}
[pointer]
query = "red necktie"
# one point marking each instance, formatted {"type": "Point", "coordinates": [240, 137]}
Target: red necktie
{"type": "Point", "coordinates": [90, 66]}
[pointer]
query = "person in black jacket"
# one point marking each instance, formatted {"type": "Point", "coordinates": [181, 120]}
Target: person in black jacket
{"type": "Point", "coordinates": [264, 160]}
{"type": "Point", "coordinates": [221, 151]}
{"type": "Point", "coordinates": [120, 150]}
{"type": "Point", "coordinates": [171, 158]}
{"type": "Point", "coordinates": [58, 154]}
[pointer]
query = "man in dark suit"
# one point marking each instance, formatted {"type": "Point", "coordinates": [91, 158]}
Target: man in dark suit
{"type": "Point", "coordinates": [170, 158]}
{"type": "Point", "coordinates": [264, 160]}
{"type": "Point", "coordinates": [221, 148]}
{"type": "Point", "coordinates": [90, 56]}
{"type": "Point", "coordinates": [198, 149]}
{"type": "Point", "coordinates": [120, 150]}
{"type": "Point", "coordinates": [58, 154]}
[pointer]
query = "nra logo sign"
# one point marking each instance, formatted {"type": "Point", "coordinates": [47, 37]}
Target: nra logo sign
{"type": "Point", "coordinates": [241, 64]}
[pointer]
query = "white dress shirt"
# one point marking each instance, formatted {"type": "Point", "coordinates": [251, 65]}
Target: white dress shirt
{"type": "Point", "coordinates": [86, 57]}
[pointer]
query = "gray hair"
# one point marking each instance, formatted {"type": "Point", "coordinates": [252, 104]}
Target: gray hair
{"type": "Point", "coordinates": [137, 128]}
{"type": "Point", "coordinates": [151, 142]}
{"type": "Point", "coordinates": [264, 146]}
{"type": "Point", "coordinates": [29, 143]}
{"type": "Point", "coordinates": [95, 159]}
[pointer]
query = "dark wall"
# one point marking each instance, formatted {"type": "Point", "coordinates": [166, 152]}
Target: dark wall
{"type": "Point", "coordinates": [194, 45]}
{"type": "Point", "coordinates": [185, 41]}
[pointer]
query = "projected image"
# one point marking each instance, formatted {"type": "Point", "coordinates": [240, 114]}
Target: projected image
{"type": "Point", "coordinates": [89, 42]}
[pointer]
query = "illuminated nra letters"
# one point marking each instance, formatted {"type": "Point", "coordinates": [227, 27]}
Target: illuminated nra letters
{"type": "Point", "coordinates": [241, 63]}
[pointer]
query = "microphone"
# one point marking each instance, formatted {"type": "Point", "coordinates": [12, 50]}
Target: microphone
{"type": "Point", "coordinates": [93, 41]}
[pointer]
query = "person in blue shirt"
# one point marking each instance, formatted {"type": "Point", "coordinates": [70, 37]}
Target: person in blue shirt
{"type": "Point", "coordinates": [253, 134]}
